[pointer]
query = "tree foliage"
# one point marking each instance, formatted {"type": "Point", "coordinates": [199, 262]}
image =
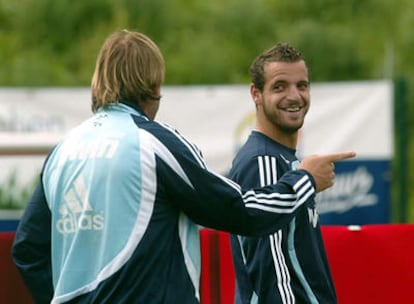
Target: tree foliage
{"type": "Point", "coordinates": [54, 43]}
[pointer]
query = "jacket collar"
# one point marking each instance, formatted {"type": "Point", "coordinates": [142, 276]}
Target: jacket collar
{"type": "Point", "coordinates": [134, 106]}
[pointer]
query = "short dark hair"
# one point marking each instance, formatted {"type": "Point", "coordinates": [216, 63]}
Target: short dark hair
{"type": "Point", "coordinates": [282, 52]}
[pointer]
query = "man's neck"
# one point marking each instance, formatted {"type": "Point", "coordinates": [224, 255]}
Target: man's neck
{"type": "Point", "coordinates": [289, 140]}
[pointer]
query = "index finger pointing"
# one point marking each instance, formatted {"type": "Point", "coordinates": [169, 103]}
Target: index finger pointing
{"type": "Point", "coordinates": [340, 156]}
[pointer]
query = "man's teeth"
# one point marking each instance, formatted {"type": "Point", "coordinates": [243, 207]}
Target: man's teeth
{"type": "Point", "coordinates": [293, 109]}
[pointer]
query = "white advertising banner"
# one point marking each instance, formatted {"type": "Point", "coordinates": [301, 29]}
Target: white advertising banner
{"type": "Point", "coordinates": [343, 116]}
{"type": "Point", "coordinates": [350, 116]}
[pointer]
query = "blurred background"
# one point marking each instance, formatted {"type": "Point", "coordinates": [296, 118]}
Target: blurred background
{"type": "Point", "coordinates": [49, 43]}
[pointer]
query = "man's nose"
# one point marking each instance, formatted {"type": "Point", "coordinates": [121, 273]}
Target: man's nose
{"type": "Point", "coordinates": [293, 93]}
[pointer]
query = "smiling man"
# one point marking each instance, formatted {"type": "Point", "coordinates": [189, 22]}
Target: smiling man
{"type": "Point", "coordinates": [289, 266]}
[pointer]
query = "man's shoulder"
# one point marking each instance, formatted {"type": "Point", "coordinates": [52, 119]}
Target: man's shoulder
{"type": "Point", "coordinates": [258, 145]}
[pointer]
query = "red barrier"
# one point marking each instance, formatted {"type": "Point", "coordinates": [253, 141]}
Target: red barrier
{"type": "Point", "coordinates": [12, 288]}
{"type": "Point", "coordinates": [373, 264]}
{"type": "Point", "coordinates": [369, 264]}
{"type": "Point", "coordinates": [217, 272]}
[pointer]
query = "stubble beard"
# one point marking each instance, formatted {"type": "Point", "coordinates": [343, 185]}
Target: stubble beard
{"type": "Point", "coordinates": [279, 124]}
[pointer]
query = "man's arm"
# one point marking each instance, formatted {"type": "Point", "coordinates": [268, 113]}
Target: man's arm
{"type": "Point", "coordinates": [32, 247]}
{"type": "Point", "coordinates": [221, 204]}
{"type": "Point", "coordinates": [214, 201]}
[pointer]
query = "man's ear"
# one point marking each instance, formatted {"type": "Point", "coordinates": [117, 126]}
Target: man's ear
{"type": "Point", "coordinates": [256, 94]}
